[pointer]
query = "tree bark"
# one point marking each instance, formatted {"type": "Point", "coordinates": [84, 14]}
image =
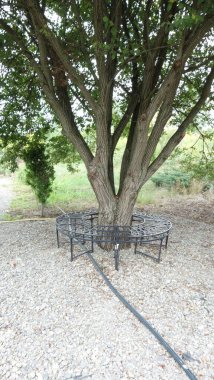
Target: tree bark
{"type": "Point", "coordinates": [113, 209]}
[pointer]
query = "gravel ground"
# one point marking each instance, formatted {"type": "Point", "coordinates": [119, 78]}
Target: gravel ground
{"type": "Point", "coordinates": [59, 321]}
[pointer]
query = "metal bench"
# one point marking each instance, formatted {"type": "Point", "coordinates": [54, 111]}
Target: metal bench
{"type": "Point", "coordinates": [82, 227]}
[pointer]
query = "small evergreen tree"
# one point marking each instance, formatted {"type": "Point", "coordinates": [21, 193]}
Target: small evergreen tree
{"type": "Point", "coordinates": [39, 171]}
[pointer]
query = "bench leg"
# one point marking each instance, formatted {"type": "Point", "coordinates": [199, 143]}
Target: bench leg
{"type": "Point", "coordinates": [158, 258]}
{"type": "Point", "coordinates": [57, 237]}
{"type": "Point", "coordinates": [116, 256]}
{"type": "Point", "coordinates": [159, 252]}
{"type": "Point", "coordinates": [71, 249]}
{"type": "Point", "coordinates": [166, 242]}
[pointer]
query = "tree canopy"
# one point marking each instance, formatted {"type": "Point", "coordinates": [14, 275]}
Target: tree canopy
{"type": "Point", "coordinates": [111, 68]}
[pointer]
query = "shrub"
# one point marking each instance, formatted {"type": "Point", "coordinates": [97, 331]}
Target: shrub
{"type": "Point", "coordinates": [171, 178]}
{"type": "Point", "coordinates": [39, 171]}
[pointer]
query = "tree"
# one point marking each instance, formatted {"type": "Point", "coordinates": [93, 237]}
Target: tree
{"type": "Point", "coordinates": [39, 171]}
{"type": "Point", "coordinates": [150, 62]}
{"type": "Point", "coordinates": [39, 168]}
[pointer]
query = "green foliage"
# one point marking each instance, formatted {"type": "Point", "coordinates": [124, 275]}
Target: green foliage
{"type": "Point", "coordinates": [73, 23]}
{"type": "Point", "coordinates": [61, 151]}
{"type": "Point", "coordinates": [196, 158]}
{"type": "Point", "coordinates": [10, 154]}
{"type": "Point", "coordinates": [192, 160]}
{"type": "Point", "coordinates": [201, 168]}
{"type": "Point", "coordinates": [39, 171]}
{"type": "Point", "coordinates": [171, 178]}
{"type": "Point", "coordinates": [3, 167]}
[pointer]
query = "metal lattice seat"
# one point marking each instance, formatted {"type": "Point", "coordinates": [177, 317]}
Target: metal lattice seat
{"type": "Point", "coordinates": [83, 227]}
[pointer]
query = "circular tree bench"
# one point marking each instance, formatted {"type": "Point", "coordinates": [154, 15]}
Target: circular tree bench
{"type": "Point", "coordinates": [82, 227]}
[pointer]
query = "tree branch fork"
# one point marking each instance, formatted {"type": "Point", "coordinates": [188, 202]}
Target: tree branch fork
{"type": "Point", "coordinates": [150, 101]}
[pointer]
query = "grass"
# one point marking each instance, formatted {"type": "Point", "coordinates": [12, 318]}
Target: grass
{"type": "Point", "coordinates": [72, 191]}
{"type": "Point", "coordinates": [150, 194]}
{"type": "Point", "coordinates": [7, 218]}
{"type": "Point", "coordinates": [24, 196]}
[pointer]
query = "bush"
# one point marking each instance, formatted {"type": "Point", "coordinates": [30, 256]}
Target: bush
{"type": "Point", "coordinates": [39, 171]}
{"type": "Point", "coordinates": [172, 178]}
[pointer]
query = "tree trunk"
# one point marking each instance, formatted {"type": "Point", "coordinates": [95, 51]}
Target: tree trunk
{"type": "Point", "coordinates": [42, 210]}
{"type": "Point", "coordinates": [106, 199]}
{"type": "Point", "coordinates": [113, 210]}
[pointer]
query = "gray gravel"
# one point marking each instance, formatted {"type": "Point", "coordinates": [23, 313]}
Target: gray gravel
{"type": "Point", "coordinates": [59, 321]}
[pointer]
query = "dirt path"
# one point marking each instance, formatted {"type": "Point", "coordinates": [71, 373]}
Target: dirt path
{"type": "Point", "coordinates": [199, 207]}
{"type": "Point", "coordinates": [6, 194]}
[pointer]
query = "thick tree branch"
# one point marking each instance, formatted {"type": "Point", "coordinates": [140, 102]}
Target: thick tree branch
{"type": "Point", "coordinates": [164, 115]}
{"type": "Point", "coordinates": [128, 13]}
{"type": "Point", "coordinates": [180, 133]}
{"type": "Point", "coordinates": [135, 70]}
{"type": "Point", "coordinates": [111, 61]}
{"type": "Point", "coordinates": [156, 55]}
{"type": "Point", "coordinates": [99, 11]}
{"type": "Point", "coordinates": [203, 63]}
{"type": "Point", "coordinates": [161, 43]}
{"type": "Point", "coordinates": [140, 138]}
{"type": "Point", "coordinates": [106, 26]}
{"type": "Point", "coordinates": [146, 24]}
{"type": "Point", "coordinates": [43, 56]}
{"type": "Point", "coordinates": [152, 71]}
{"type": "Point", "coordinates": [196, 35]}
{"type": "Point", "coordinates": [125, 119]}
{"type": "Point", "coordinates": [66, 119]}
{"type": "Point", "coordinates": [184, 51]}
{"type": "Point", "coordinates": [128, 150]}
{"type": "Point", "coordinates": [112, 38]}
{"type": "Point", "coordinates": [75, 77]}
